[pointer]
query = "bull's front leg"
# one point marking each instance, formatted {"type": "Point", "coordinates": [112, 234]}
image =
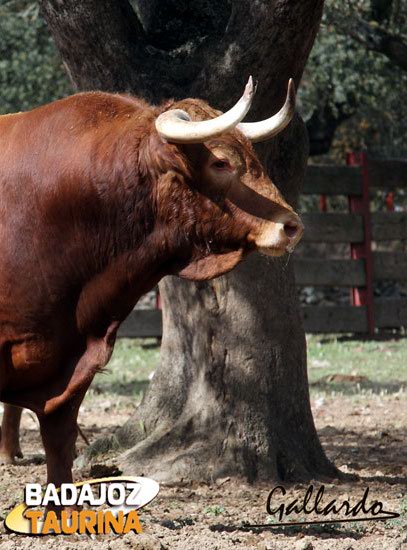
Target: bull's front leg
{"type": "Point", "coordinates": [10, 434]}
{"type": "Point", "coordinates": [59, 430]}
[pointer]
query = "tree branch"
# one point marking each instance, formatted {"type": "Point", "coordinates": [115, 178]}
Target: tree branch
{"type": "Point", "coordinates": [109, 29]}
{"type": "Point", "coordinates": [373, 37]}
{"type": "Point", "coordinates": [381, 10]}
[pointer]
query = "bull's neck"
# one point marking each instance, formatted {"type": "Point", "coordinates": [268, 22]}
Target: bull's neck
{"type": "Point", "coordinates": [112, 292]}
{"type": "Point", "coordinates": [129, 250]}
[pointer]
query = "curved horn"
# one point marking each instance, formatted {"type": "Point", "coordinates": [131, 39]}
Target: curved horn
{"type": "Point", "coordinates": [265, 129]}
{"type": "Point", "coordinates": [176, 126]}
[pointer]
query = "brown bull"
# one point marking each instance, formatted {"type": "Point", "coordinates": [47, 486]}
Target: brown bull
{"type": "Point", "coordinates": [101, 196]}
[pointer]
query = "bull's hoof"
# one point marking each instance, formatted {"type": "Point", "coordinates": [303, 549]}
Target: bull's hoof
{"type": "Point", "coordinates": [9, 457]}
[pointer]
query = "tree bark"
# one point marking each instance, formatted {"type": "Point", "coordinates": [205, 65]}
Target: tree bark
{"type": "Point", "coordinates": [231, 395]}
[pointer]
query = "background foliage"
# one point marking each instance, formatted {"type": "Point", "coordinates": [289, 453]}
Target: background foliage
{"type": "Point", "coordinates": [31, 71]}
{"type": "Point", "coordinates": [356, 78]}
{"type": "Point", "coordinates": [354, 91]}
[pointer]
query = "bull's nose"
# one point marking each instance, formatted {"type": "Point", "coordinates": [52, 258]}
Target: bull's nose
{"type": "Point", "coordinates": [293, 229]}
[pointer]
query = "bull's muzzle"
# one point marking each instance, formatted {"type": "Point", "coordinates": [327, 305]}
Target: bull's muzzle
{"type": "Point", "coordinates": [280, 236]}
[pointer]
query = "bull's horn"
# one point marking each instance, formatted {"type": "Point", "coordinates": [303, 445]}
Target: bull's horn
{"type": "Point", "coordinates": [176, 126]}
{"type": "Point", "coordinates": [265, 129]}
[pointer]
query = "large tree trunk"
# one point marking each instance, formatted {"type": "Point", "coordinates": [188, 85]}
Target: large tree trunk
{"type": "Point", "coordinates": [231, 393]}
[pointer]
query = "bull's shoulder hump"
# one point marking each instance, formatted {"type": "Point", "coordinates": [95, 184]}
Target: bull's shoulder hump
{"type": "Point", "coordinates": [91, 108]}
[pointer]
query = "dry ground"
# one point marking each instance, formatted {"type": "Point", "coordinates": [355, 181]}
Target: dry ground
{"type": "Point", "coordinates": [362, 428]}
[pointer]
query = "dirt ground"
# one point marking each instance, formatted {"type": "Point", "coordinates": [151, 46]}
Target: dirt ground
{"type": "Point", "coordinates": [362, 434]}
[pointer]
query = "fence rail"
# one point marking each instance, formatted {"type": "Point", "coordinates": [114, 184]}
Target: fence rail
{"type": "Point", "coordinates": [347, 228]}
{"type": "Point", "coordinates": [324, 227]}
{"type": "Point", "coordinates": [346, 180]}
{"type": "Point", "coordinates": [389, 266]}
{"type": "Point", "coordinates": [389, 313]}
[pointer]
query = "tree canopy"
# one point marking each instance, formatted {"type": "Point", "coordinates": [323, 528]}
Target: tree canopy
{"type": "Point", "coordinates": [31, 71]}
{"type": "Point", "coordinates": [356, 78]}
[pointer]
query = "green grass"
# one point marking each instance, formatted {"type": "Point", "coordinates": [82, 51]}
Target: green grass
{"type": "Point", "coordinates": [129, 368]}
{"type": "Point", "coordinates": [383, 363]}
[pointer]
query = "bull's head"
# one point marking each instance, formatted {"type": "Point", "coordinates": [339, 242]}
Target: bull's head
{"type": "Point", "coordinates": [221, 198]}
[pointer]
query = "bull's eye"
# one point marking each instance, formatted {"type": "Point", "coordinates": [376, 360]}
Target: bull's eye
{"type": "Point", "coordinates": [221, 164]}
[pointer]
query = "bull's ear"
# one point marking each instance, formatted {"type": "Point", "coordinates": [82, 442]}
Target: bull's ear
{"type": "Point", "coordinates": [157, 157]}
{"type": "Point", "coordinates": [211, 266]}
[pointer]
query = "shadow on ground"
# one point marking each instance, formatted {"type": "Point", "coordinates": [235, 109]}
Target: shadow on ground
{"type": "Point", "coordinates": [382, 454]}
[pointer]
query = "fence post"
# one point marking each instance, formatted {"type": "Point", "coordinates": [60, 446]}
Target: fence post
{"type": "Point", "coordinates": [363, 296]}
{"type": "Point", "coordinates": [157, 298]}
{"type": "Point", "coordinates": [390, 201]}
